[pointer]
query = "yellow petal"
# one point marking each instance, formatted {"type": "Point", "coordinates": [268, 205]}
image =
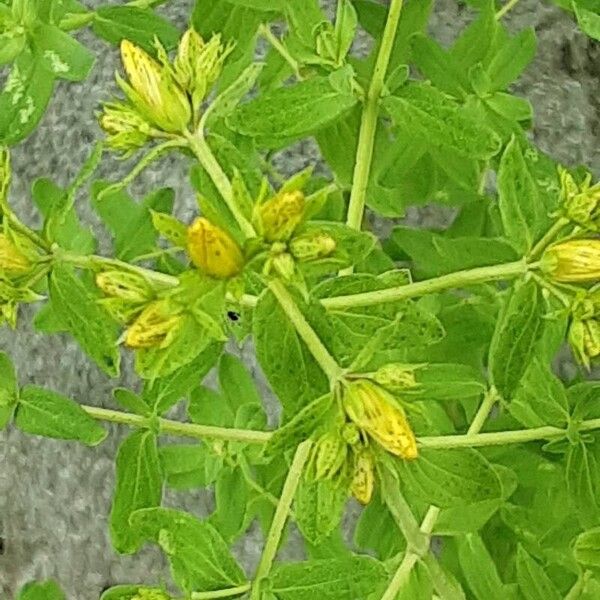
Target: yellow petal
{"type": "Point", "coordinates": [573, 261]}
{"type": "Point", "coordinates": [363, 477]}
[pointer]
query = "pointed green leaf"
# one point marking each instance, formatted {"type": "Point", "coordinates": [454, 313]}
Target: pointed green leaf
{"type": "Point", "coordinates": [47, 590]}
{"type": "Point", "coordinates": [533, 581]}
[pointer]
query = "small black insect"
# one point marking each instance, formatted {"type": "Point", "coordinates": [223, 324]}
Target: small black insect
{"type": "Point", "coordinates": [233, 316]}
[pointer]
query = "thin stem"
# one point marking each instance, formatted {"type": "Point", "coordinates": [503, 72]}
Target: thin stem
{"type": "Point", "coordinates": [266, 32]}
{"type": "Point", "coordinates": [170, 427]}
{"type": "Point", "coordinates": [490, 398]}
{"type": "Point", "coordinates": [548, 238]}
{"type": "Point", "coordinates": [368, 126]}
{"type": "Point", "coordinates": [457, 279]}
{"type": "Point", "coordinates": [562, 298]}
{"type": "Point", "coordinates": [32, 236]}
{"type": "Point", "coordinates": [281, 515]}
{"type": "Point", "coordinates": [94, 262]}
{"type": "Point", "coordinates": [236, 591]}
{"type": "Point", "coordinates": [206, 158]}
{"type": "Point", "coordinates": [305, 331]}
{"type": "Point", "coordinates": [506, 9]}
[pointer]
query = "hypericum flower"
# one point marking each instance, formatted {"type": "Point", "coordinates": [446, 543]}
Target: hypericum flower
{"type": "Point", "coordinates": [329, 455]}
{"type": "Point", "coordinates": [312, 246]}
{"type": "Point", "coordinates": [12, 260]}
{"type": "Point", "coordinates": [374, 410]}
{"type": "Point", "coordinates": [573, 261]}
{"type": "Point", "coordinates": [199, 64]}
{"type": "Point", "coordinates": [126, 130]}
{"type": "Point", "coordinates": [155, 327]}
{"type": "Point", "coordinates": [153, 90]}
{"type": "Point", "coordinates": [278, 217]}
{"type": "Point", "coordinates": [363, 476]}
{"type": "Point", "coordinates": [213, 250]}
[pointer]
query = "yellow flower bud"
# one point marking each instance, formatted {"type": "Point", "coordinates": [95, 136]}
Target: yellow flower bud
{"type": "Point", "coordinates": [584, 338]}
{"type": "Point", "coordinates": [156, 327]}
{"type": "Point", "coordinates": [330, 453]}
{"type": "Point", "coordinates": [279, 216]}
{"type": "Point", "coordinates": [126, 130]}
{"type": "Point", "coordinates": [581, 201]}
{"type": "Point", "coordinates": [312, 246]}
{"type": "Point", "coordinates": [396, 377]}
{"type": "Point", "coordinates": [123, 285]}
{"type": "Point", "coordinates": [12, 260]}
{"type": "Point", "coordinates": [375, 411]}
{"type": "Point", "coordinates": [363, 477]}
{"type": "Point", "coordinates": [573, 261]}
{"type": "Point", "coordinates": [153, 91]}
{"type": "Point", "coordinates": [284, 265]}
{"type": "Point", "coordinates": [213, 251]}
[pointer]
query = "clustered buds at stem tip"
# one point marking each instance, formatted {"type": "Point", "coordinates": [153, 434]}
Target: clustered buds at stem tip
{"type": "Point", "coordinates": [279, 216]}
{"type": "Point", "coordinates": [213, 250]}
{"type": "Point", "coordinates": [312, 246]}
{"type": "Point", "coordinates": [573, 261]}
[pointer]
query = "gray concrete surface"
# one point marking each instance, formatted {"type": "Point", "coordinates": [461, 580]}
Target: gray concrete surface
{"type": "Point", "coordinates": [54, 496]}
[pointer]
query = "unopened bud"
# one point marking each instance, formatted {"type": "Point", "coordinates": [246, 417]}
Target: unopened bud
{"type": "Point", "coordinates": [279, 216]}
{"type": "Point", "coordinates": [126, 130]}
{"type": "Point", "coordinates": [363, 477]}
{"type": "Point", "coordinates": [573, 261]}
{"type": "Point", "coordinates": [375, 410]}
{"type": "Point", "coordinates": [123, 285]}
{"type": "Point", "coordinates": [396, 377]}
{"type": "Point", "coordinates": [581, 202]}
{"type": "Point", "coordinates": [329, 455]}
{"type": "Point", "coordinates": [284, 266]}
{"type": "Point", "coordinates": [154, 328]}
{"type": "Point", "coordinates": [312, 246]}
{"type": "Point", "coordinates": [213, 251]}
{"type": "Point", "coordinates": [12, 260]}
{"type": "Point", "coordinates": [584, 338]}
{"type": "Point", "coordinates": [351, 434]}
{"type": "Point", "coordinates": [153, 90]}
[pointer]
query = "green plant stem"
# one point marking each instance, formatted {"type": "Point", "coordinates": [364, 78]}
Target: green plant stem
{"type": "Point", "coordinates": [457, 279]}
{"type": "Point", "coordinates": [236, 591]}
{"type": "Point", "coordinates": [32, 236]}
{"type": "Point", "coordinates": [266, 32]}
{"type": "Point", "coordinates": [506, 9]}
{"type": "Point", "coordinates": [281, 515]}
{"type": "Point", "coordinates": [94, 262]}
{"type": "Point", "coordinates": [206, 158]}
{"type": "Point", "coordinates": [539, 248]}
{"type": "Point", "coordinates": [170, 427]}
{"type": "Point", "coordinates": [305, 331]}
{"type": "Point", "coordinates": [368, 126]}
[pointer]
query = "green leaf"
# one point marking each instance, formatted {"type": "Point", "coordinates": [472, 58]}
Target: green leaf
{"type": "Point", "coordinates": [511, 60]}
{"type": "Point", "coordinates": [9, 390]}
{"type": "Point", "coordinates": [62, 55]}
{"type": "Point", "coordinates": [587, 548]}
{"type": "Point", "coordinates": [518, 330]}
{"type": "Point", "coordinates": [47, 590]}
{"type": "Point", "coordinates": [129, 222]}
{"type": "Point", "coordinates": [131, 402]}
{"type": "Point", "coordinates": [463, 519]}
{"type": "Point", "coordinates": [420, 110]}
{"type": "Point", "coordinates": [198, 555]}
{"type": "Point", "coordinates": [435, 254]}
{"type": "Point", "coordinates": [189, 466]}
{"type": "Point", "coordinates": [540, 399]}
{"type": "Point", "coordinates": [236, 383]}
{"type": "Point", "coordinates": [85, 319]}
{"type": "Point", "coordinates": [117, 23]}
{"type": "Point", "coordinates": [583, 477]}
{"type": "Point", "coordinates": [24, 98]}
{"type": "Point", "coordinates": [448, 382]}
{"type": "Point", "coordinates": [43, 412]}
{"type": "Point", "coordinates": [335, 579]}
{"type": "Point", "coordinates": [452, 477]}
{"type": "Point", "coordinates": [521, 208]}
{"type": "Point", "coordinates": [479, 569]}
{"type": "Point", "coordinates": [285, 114]}
{"type": "Point", "coordinates": [68, 232]}
{"type": "Point", "coordinates": [163, 393]}
{"type": "Point", "coordinates": [377, 531]}
{"type": "Point", "coordinates": [319, 506]}
{"type": "Point", "coordinates": [138, 485]}
{"type": "Point", "coordinates": [290, 368]}
{"type": "Point", "coordinates": [135, 592]}
{"type": "Point", "coordinates": [588, 21]}
{"type": "Point", "coordinates": [231, 495]}
{"type": "Point", "coordinates": [533, 581]}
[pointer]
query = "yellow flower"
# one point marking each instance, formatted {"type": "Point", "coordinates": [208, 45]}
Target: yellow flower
{"type": "Point", "coordinates": [156, 327]}
{"type": "Point", "coordinates": [329, 455]}
{"type": "Point", "coordinates": [153, 91]}
{"type": "Point", "coordinates": [12, 260]}
{"type": "Point", "coordinates": [573, 261]}
{"type": "Point", "coordinates": [375, 411]}
{"type": "Point", "coordinates": [363, 477]}
{"type": "Point", "coordinates": [278, 217]}
{"type": "Point", "coordinates": [126, 286]}
{"type": "Point", "coordinates": [213, 251]}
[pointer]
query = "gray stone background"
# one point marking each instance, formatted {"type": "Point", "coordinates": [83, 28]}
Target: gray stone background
{"type": "Point", "coordinates": [55, 496]}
